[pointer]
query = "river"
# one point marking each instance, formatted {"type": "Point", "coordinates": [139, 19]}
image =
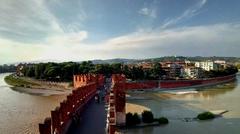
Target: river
{"type": "Point", "coordinates": [177, 105]}
{"type": "Point", "coordinates": [20, 112]}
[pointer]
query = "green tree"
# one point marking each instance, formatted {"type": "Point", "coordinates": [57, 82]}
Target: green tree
{"type": "Point", "coordinates": [52, 71]}
{"type": "Point", "coordinates": [116, 68]}
{"type": "Point", "coordinates": [137, 73]}
{"type": "Point", "coordinates": [39, 70]}
{"type": "Point", "coordinates": [147, 117]}
{"type": "Point", "coordinates": [157, 71]}
{"type": "Point", "coordinates": [30, 71]}
{"type": "Point", "coordinates": [126, 71]}
{"type": "Point", "coordinates": [205, 116]}
{"type": "Point", "coordinates": [86, 67]}
{"type": "Point", "coordinates": [162, 120]}
{"type": "Point", "coordinates": [136, 119]}
{"type": "Point", "coordinates": [68, 70]}
{"type": "Point", "coordinates": [129, 119]}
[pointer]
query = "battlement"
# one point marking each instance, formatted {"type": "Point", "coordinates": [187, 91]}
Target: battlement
{"type": "Point", "coordinates": [118, 78]}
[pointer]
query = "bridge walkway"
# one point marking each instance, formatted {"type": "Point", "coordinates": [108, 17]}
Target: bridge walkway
{"type": "Point", "coordinates": [93, 119]}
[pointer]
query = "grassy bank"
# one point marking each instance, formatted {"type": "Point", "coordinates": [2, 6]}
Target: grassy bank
{"type": "Point", "coordinates": [27, 82]}
{"type": "Point", "coordinates": [18, 82]}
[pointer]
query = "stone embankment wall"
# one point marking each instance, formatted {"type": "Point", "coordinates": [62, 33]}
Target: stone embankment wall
{"type": "Point", "coordinates": [189, 83]}
{"type": "Point", "coordinates": [168, 84]}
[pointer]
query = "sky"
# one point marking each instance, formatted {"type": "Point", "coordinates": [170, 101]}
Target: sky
{"type": "Point", "coordinates": [76, 30]}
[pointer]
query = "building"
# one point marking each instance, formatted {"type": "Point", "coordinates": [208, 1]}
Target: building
{"type": "Point", "coordinates": [207, 65]}
{"type": "Point", "coordinates": [146, 65]}
{"type": "Point", "coordinates": [19, 70]}
{"type": "Point", "coordinates": [221, 64]}
{"type": "Point", "coordinates": [174, 70]}
{"type": "Point", "coordinates": [192, 72]}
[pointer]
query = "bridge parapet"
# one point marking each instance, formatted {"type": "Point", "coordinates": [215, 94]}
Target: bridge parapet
{"type": "Point", "coordinates": [84, 79]}
{"type": "Point", "coordinates": [118, 78]}
{"type": "Point", "coordinates": [85, 89]}
{"type": "Point", "coordinates": [116, 111]}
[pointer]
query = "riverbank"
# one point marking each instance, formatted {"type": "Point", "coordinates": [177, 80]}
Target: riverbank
{"type": "Point", "coordinates": [135, 108]}
{"type": "Point", "coordinates": [21, 112]}
{"type": "Point", "coordinates": [33, 86]}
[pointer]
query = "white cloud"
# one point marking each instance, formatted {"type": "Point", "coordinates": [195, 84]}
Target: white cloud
{"type": "Point", "coordinates": [192, 11]}
{"type": "Point", "coordinates": [211, 40]}
{"type": "Point", "coordinates": [148, 12]}
{"type": "Point", "coordinates": [27, 20]}
{"type": "Point", "coordinates": [218, 40]}
{"type": "Point", "coordinates": [68, 38]}
{"type": "Point", "coordinates": [12, 51]}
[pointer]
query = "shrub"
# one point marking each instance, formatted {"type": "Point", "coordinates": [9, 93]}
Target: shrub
{"type": "Point", "coordinates": [205, 116]}
{"type": "Point", "coordinates": [129, 119]}
{"type": "Point", "coordinates": [132, 119]}
{"type": "Point", "coordinates": [147, 117]}
{"type": "Point", "coordinates": [162, 120]}
{"type": "Point", "coordinates": [136, 119]}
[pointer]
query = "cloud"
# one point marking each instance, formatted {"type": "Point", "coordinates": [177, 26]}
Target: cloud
{"type": "Point", "coordinates": [12, 51]}
{"type": "Point", "coordinates": [210, 40]}
{"type": "Point", "coordinates": [29, 33]}
{"type": "Point", "coordinates": [192, 11]}
{"type": "Point", "coordinates": [28, 20]}
{"type": "Point", "coordinates": [148, 12]}
{"type": "Point", "coordinates": [190, 41]}
{"type": "Point", "coordinates": [68, 38]}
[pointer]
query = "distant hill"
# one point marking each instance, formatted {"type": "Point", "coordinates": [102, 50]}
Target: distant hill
{"type": "Point", "coordinates": [196, 58]}
{"type": "Point", "coordinates": [117, 60]}
{"type": "Point", "coordinates": [167, 58]}
{"type": "Point", "coordinates": [160, 59]}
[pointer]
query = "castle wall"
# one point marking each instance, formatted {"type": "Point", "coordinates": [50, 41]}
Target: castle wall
{"type": "Point", "coordinates": [85, 88]}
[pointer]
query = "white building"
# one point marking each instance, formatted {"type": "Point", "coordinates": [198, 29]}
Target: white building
{"type": "Point", "coordinates": [192, 72]}
{"type": "Point", "coordinates": [206, 65]}
{"type": "Point", "coordinates": [222, 62]}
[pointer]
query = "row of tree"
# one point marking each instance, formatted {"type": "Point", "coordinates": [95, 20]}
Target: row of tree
{"type": "Point", "coordinates": [64, 71]}
{"type": "Point", "coordinates": [7, 68]}
{"type": "Point", "coordinates": [218, 73]}
{"type": "Point", "coordinates": [146, 117]}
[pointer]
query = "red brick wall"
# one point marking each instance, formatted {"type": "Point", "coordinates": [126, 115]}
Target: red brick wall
{"type": "Point", "coordinates": [85, 89]}
{"type": "Point", "coordinates": [187, 83]}
{"type": "Point", "coordinates": [142, 85]}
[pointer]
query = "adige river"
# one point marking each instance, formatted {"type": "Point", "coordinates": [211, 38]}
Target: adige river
{"type": "Point", "coordinates": [178, 106]}
{"type": "Point", "coordinates": [21, 112]}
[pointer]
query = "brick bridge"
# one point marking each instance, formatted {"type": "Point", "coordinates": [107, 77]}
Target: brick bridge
{"type": "Point", "coordinates": [85, 88]}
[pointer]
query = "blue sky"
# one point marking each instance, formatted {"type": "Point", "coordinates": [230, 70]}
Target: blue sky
{"type": "Point", "coordinates": [63, 30]}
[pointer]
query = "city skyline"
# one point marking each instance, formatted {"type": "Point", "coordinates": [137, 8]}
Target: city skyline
{"type": "Point", "coordinates": [76, 30]}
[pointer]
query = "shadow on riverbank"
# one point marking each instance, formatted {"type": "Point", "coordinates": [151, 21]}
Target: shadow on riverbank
{"type": "Point", "coordinates": [40, 92]}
